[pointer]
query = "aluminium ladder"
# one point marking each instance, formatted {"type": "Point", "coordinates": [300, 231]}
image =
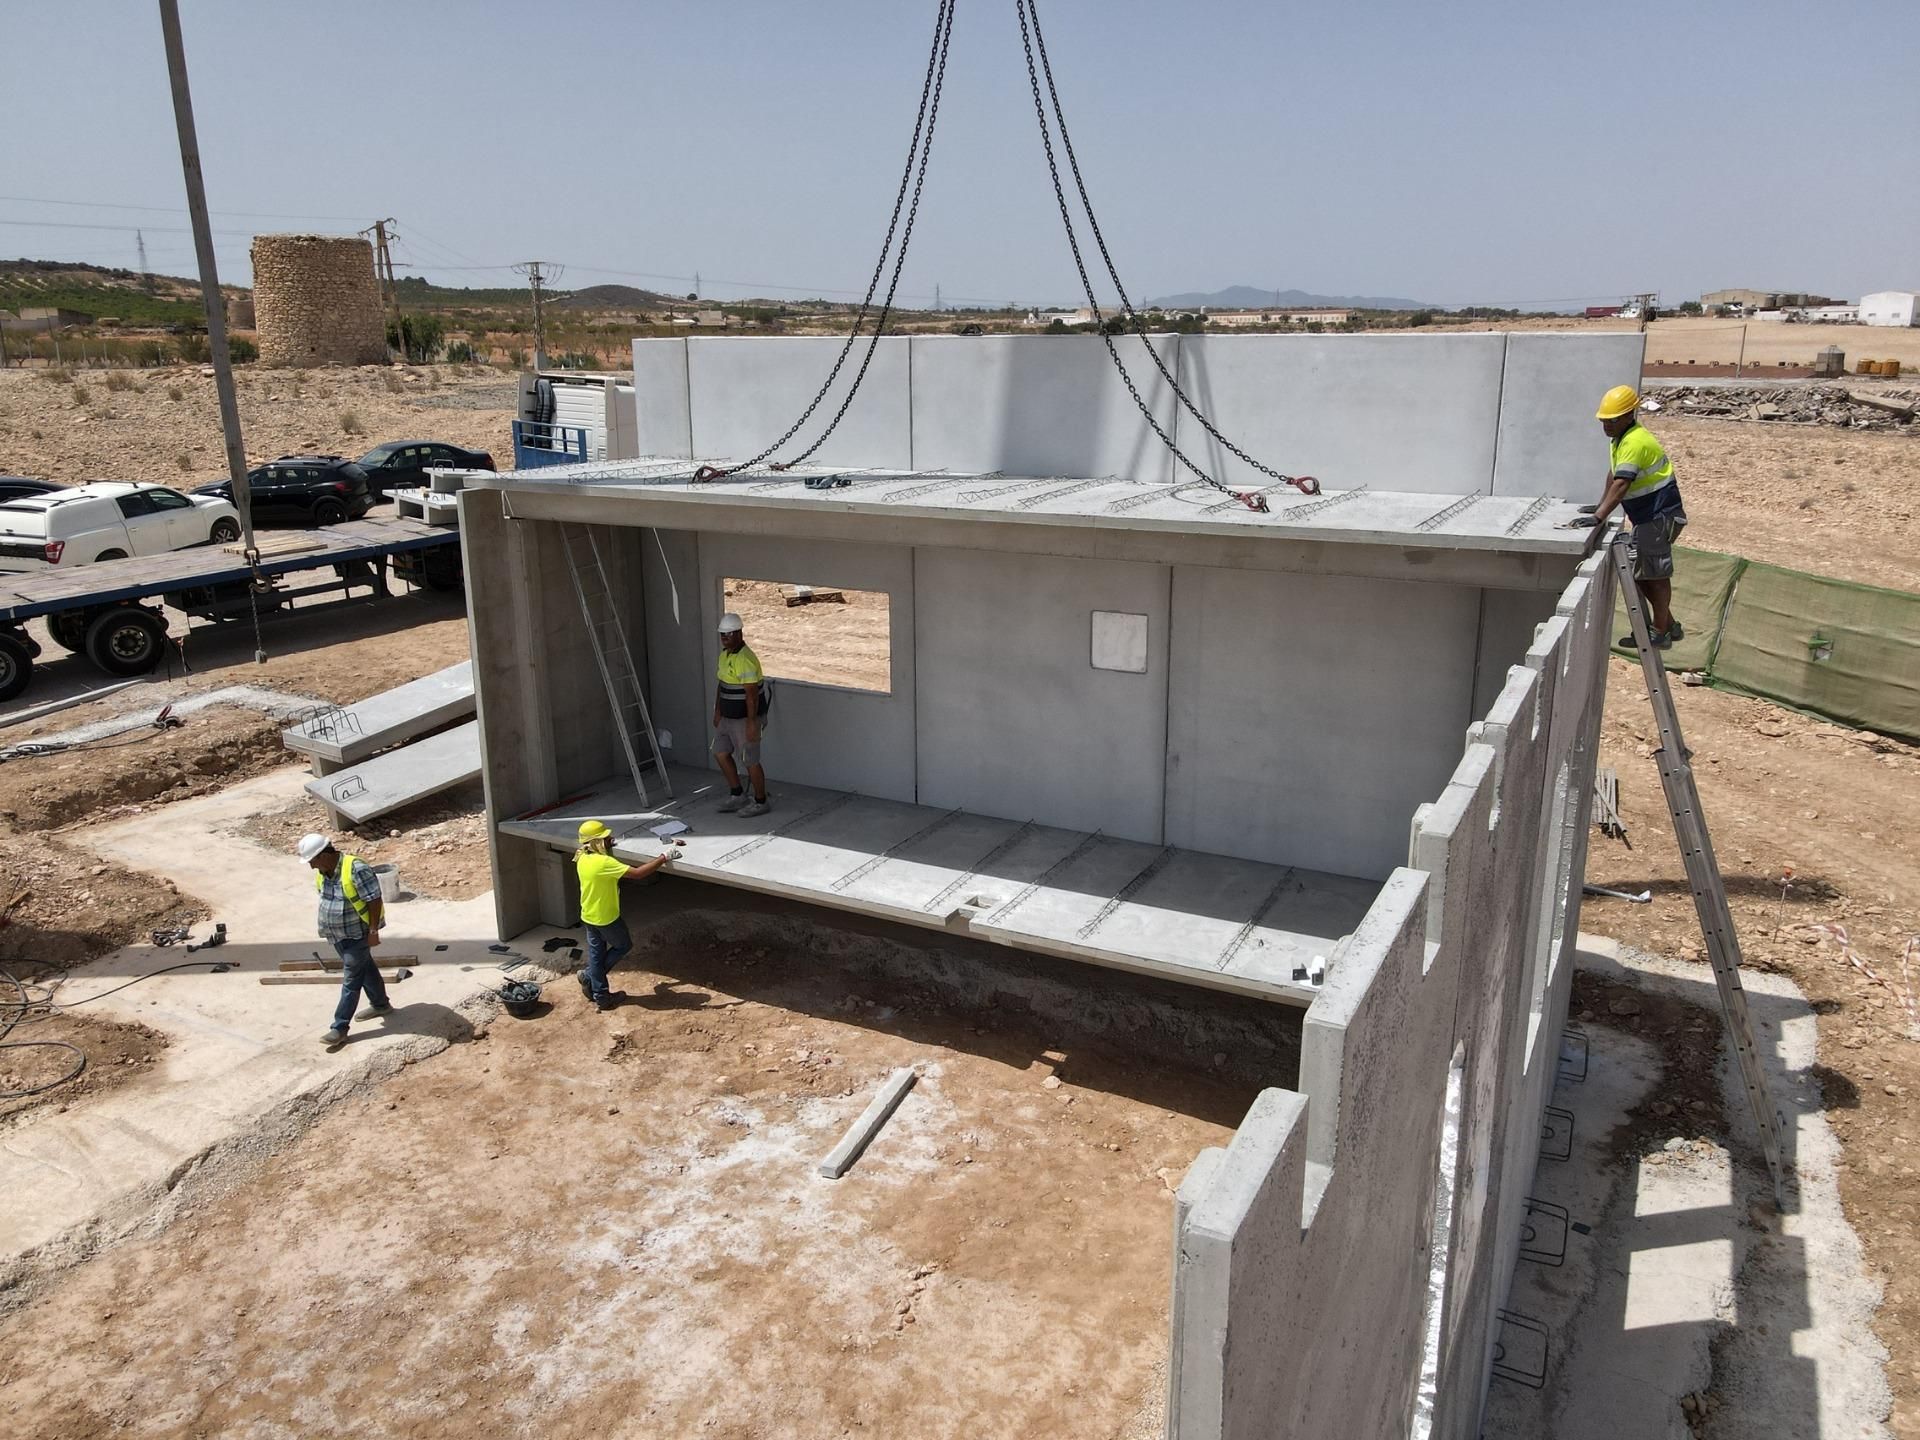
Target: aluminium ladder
{"type": "Point", "coordinates": [1703, 875]}
{"type": "Point", "coordinates": [611, 654]}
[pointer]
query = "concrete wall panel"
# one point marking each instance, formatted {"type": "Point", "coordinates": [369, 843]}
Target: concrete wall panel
{"type": "Point", "coordinates": [745, 393]}
{"type": "Point", "coordinates": [1391, 412]}
{"type": "Point", "coordinates": [1039, 405]}
{"type": "Point", "coordinates": [822, 735]}
{"type": "Point", "coordinates": [1550, 444]}
{"type": "Point", "coordinates": [1310, 714]}
{"type": "Point", "coordinates": [662, 417]}
{"type": "Point", "coordinates": [1014, 719]}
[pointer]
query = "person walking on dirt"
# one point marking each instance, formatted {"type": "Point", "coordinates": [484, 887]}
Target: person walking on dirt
{"type": "Point", "coordinates": [739, 705]}
{"type": "Point", "coordinates": [351, 913]}
{"type": "Point", "coordinates": [1641, 481]}
{"type": "Point", "coordinates": [607, 937]}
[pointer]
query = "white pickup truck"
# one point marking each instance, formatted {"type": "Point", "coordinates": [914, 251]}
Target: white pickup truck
{"type": "Point", "coordinates": [108, 520]}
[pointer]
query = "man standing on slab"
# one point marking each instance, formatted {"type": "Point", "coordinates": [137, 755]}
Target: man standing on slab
{"type": "Point", "coordinates": [1641, 481]}
{"type": "Point", "coordinates": [739, 705]}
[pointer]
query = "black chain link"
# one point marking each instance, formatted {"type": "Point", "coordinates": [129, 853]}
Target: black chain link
{"type": "Point", "coordinates": [1252, 499]}
{"type": "Point", "coordinates": [917, 153]}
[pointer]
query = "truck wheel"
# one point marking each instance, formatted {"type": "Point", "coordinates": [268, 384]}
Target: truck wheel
{"type": "Point", "coordinates": [16, 666]}
{"type": "Point", "coordinates": [69, 630]}
{"type": "Point", "coordinates": [224, 532]}
{"type": "Point", "coordinates": [126, 640]}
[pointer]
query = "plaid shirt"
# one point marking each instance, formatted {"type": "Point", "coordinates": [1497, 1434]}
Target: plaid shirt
{"type": "Point", "coordinates": [338, 919]}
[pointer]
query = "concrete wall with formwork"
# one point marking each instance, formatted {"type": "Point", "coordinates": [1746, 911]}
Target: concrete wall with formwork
{"type": "Point", "coordinates": [1305, 1300]}
{"type": "Point", "coordinates": [316, 301]}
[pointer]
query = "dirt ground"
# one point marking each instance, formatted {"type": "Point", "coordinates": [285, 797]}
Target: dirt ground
{"type": "Point", "coordinates": [79, 429]}
{"type": "Point", "coordinates": [1812, 824]}
{"type": "Point", "coordinates": [464, 1248]}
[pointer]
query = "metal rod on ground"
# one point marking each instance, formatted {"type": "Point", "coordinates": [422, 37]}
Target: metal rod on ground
{"type": "Point", "coordinates": [862, 1131]}
{"type": "Point", "coordinates": [209, 273]}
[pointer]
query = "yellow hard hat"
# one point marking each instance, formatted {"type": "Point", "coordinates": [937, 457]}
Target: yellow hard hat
{"type": "Point", "coordinates": [1620, 400]}
{"type": "Point", "coordinates": [593, 830]}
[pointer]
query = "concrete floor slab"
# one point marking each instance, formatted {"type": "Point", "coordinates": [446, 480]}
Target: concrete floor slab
{"type": "Point", "coordinates": [240, 1050]}
{"type": "Point", "coordinates": [1202, 919]}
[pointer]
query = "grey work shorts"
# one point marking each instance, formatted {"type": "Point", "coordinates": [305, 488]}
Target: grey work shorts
{"type": "Point", "coordinates": [1652, 545]}
{"type": "Point", "coordinates": [731, 739]}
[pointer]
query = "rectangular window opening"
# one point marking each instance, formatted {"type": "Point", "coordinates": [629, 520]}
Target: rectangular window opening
{"type": "Point", "coordinates": [816, 634]}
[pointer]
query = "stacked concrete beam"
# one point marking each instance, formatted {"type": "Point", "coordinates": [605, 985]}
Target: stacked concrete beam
{"type": "Point", "coordinates": [316, 301]}
{"type": "Point", "coordinates": [1302, 1302]}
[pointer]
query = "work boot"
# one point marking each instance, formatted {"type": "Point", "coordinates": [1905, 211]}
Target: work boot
{"type": "Point", "coordinates": [375, 1012]}
{"type": "Point", "coordinates": [334, 1039]}
{"type": "Point", "coordinates": [755, 807]}
{"type": "Point", "coordinates": [732, 803]}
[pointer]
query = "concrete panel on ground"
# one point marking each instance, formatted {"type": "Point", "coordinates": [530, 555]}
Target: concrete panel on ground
{"type": "Point", "coordinates": [745, 393]}
{"type": "Point", "coordinates": [390, 718]}
{"type": "Point", "coordinates": [1388, 412]}
{"type": "Point", "coordinates": [1313, 747]}
{"type": "Point", "coordinates": [402, 776]}
{"type": "Point", "coordinates": [1199, 919]}
{"type": "Point", "coordinates": [1039, 405]}
{"type": "Point", "coordinates": [662, 416]}
{"type": "Point", "coordinates": [1550, 444]}
{"type": "Point", "coordinates": [1013, 717]}
{"type": "Point", "coordinates": [819, 734]}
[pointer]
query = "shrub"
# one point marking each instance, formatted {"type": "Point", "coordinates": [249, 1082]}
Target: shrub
{"type": "Point", "coordinates": [119, 380]}
{"type": "Point", "coordinates": [350, 423]}
{"type": "Point", "coordinates": [175, 393]}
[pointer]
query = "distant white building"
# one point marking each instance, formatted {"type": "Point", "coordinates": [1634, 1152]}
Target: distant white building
{"type": "Point", "coordinates": [1890, 307]}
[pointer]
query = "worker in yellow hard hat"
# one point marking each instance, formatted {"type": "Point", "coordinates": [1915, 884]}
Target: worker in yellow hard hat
{"type": "Point", "coordinates": [600, 874]}
{"type": "Point", "coordinates": [1640, 480]}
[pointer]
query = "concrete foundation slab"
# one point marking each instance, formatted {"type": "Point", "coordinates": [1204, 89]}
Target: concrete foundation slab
{"type": "Point", "coordinates": [402, 776]}
{"type": "Point", "coordinates": [1200, 919]}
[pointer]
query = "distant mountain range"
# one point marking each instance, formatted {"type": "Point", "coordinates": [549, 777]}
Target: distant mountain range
{"type": "Point", "coordinates": [1246, 297]}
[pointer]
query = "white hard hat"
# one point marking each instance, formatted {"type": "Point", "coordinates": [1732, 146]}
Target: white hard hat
{"type": "Point", "coordinates": [310, 846]}
{"type": "Point", "coordinates": [730, 624]}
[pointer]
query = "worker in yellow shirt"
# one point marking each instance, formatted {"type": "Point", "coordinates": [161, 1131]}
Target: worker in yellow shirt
{"type": "Point", "coordinates": [739, 705]}
{"type": "Point", "coordinates": [1640, 481]}
{"type": "Point", "coordinates": [600, 875]}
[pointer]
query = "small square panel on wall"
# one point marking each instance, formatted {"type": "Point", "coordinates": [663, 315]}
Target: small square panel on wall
{"type": "Point", "coordinates": [1120, 642]}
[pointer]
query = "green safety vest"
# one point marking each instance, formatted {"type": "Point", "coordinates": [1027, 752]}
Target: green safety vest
{"type": "Point", "coordinates": [1639, 458]}
{"type": "Point", "coordinates": [345, 871]}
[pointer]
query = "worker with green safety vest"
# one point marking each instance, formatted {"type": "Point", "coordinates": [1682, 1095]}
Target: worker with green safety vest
{"type": "Point", "coordinates": [351, 913]}
{"type": "Point", "coordinates": [1640, 480]}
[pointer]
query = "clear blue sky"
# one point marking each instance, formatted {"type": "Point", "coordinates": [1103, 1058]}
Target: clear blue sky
{"type": "Point", "coordinates": [1481, 151]}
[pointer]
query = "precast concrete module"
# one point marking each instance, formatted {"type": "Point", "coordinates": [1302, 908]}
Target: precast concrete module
{"type": "Point", "coordinates": [1366, 799]}
{"type": "Point", "coordinates": [316, 301]}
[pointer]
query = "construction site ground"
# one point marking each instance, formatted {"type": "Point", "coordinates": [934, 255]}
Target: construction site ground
{"type": "Point", "coordinates": [313, 1283]}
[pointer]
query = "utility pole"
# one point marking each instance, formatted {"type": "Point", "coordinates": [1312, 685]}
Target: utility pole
{"type": "Point", "coordinates": [209, 281]}
{"type": "Point", "coordinates": [537, 277]}
{"type": "Point", "coordinates": [383, 270]}
{"type": "Point", "coordinates": [146, 270]}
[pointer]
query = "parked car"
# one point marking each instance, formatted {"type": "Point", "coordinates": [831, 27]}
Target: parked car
{"type": "Point", "coordinates": [108, 520]}
{"type": "Point", "coordinates": [302, 490]}
{"type": "Point", "coordinates": [18, 487]}
{"type": "Point", "coordinates": [403, 464]}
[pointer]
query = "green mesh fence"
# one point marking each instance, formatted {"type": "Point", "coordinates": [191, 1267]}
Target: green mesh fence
{"type": "Point", "coordinates": [1830, 647]}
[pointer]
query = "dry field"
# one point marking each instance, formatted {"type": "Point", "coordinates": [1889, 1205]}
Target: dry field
{"type": "Point", "coordinates": [318, 1286]}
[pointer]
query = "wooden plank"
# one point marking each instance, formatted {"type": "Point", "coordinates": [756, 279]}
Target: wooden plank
{"type": "Point", "coordinates": [842, 1156]}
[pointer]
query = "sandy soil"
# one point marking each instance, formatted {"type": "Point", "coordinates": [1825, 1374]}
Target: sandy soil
{"type": "Point", "coordinates": [1812, 824]}
{"type": "Point", "coordinates": [141, 433]}
{"type": "Point", "coordinates": [593, 1225]}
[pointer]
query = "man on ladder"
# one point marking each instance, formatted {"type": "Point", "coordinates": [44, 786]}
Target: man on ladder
{"type": "Point", "coordinates": [739, 706]}
{"type": "Point", "coordinates": [1641, 480]}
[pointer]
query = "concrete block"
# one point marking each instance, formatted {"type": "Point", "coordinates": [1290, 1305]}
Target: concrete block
{"type": "Point", "coordinates": [1549, 442]}
{"type": "Point", "coordinates": [1039, 405]}
{"type": "Point", "coordinates": [1390, 412]}
{"type": "Point", "coordinates": [745, 393]}
{"type": "Point", "coordinates": [662, 403]}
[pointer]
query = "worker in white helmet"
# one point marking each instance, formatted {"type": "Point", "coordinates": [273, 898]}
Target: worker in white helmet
{"type": "Point", "coordinates": [739, 707]}
{"type": "Point", "coordinates": [351, 913]}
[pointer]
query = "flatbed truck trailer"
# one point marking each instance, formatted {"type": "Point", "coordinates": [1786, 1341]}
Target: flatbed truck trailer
{"type": "Point", "coordinates": [111, 611]}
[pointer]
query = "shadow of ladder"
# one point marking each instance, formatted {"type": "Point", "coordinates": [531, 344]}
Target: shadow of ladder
{"type": "Point", "coordinates": [1703, 874]}
{"type": "Point", "coordinates": [614, 659]}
